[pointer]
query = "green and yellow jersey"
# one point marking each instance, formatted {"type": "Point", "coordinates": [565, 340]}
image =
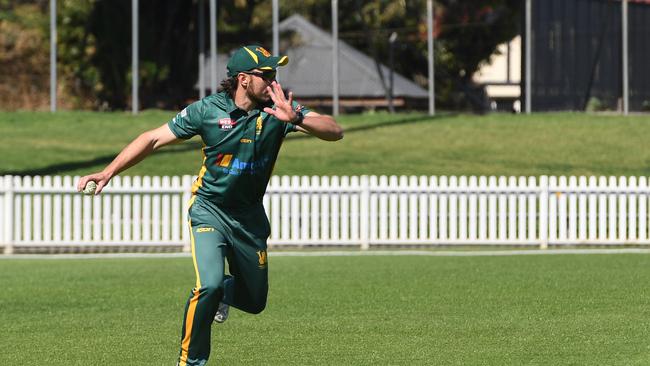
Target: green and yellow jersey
{"type": "Point", "coordinates": [240, 148]}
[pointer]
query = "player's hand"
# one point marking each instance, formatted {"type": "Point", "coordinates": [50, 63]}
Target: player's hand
{"type": "Point", "coordinates": [283, 109]}
{"type": "Point", "coordinates": [101, 179]}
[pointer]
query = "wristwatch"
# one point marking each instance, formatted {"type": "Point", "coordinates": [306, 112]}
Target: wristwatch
{"type": "Point", "coordinates": [299, 119]}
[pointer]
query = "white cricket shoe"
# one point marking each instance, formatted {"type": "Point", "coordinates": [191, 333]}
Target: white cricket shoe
{"type": "Point", "coordinates": [222, 313]}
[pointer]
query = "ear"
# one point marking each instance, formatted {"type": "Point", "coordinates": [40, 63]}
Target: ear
{"type": "Point", "coordinates": [243, 79]}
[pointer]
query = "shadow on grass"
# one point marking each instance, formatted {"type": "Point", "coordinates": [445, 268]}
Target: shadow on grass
{"type": "Point", "coordinates": [194, 145]}
{"type": "Point", "coordinates": [102, 160]}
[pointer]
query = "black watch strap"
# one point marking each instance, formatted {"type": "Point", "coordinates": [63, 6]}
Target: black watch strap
{"type": "Point", "coordinates": [299, 119]}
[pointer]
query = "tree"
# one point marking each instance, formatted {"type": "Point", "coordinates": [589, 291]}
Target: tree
{"type": "Point", "coordinates": [24, 73]}
{"type": "Point", "coordinates": [467, 33]}
{"type": "Point", "coordinates": [95, 43]}
{"type": "Point", "coordinates": [470, 32]}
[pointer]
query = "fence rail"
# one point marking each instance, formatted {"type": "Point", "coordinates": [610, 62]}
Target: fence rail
{"type": "Point", "coordinates": [361, 211]}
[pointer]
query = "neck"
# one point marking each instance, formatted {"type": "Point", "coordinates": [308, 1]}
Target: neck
{"type": "Point", "coordinates": [242, 101]}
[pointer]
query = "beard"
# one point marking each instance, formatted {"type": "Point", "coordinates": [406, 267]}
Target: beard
{"type": "Point", "coordinates": [257, 99]}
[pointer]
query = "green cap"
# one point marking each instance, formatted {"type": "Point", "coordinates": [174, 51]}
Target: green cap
{"type": "Point", "coordinates": [254, 57]}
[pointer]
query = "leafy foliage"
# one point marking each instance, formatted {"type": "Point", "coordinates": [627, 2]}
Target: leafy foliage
{"type": "Point", "coordinates": [23, 57]}
{"type": "Point", "coordinates": [95, 43]}
{"type": "Point", "coordinates": [469, 34]}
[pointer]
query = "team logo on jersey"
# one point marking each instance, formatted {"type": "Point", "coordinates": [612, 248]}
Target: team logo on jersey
{"type": "Point", "coordinates": [204, 229]}
{"type": "Point", "coordinates": [223, 160]}
{"type": "Point", "coordinates": [227, 123]}
{"type": "Point", "coordinates": [258, 125]}
{"type": "Point", "coordinates": [263, 51]}
{"type": "Point", "coordinates": [233, 166]}
{"type": "Point", "coordinates": [298, 108]}
{"type": "Point", "coordinates": [180, 116]}
{"type": "Point", "coordinates": [262, 258]}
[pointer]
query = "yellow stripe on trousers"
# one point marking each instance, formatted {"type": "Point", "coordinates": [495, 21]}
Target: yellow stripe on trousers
{"type": "Point", "coordinates": [185, 346]}
{"type": "Point", "coordinates": [189, 321]}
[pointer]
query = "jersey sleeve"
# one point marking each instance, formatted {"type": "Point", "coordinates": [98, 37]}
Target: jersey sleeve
{"type": "Point", "coordinates": [290, 127]}
{"type": "Point", "coordinates": [188, 122]}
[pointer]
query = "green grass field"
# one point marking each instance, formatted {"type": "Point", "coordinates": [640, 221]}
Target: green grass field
{"type": "Point", "coordinates": [364, 310]}
{"type": "Point", "coordinates": [69, 143]}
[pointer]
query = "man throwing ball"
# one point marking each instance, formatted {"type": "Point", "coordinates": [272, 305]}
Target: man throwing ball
{"type": "Point", "coordinates": [242, 127]}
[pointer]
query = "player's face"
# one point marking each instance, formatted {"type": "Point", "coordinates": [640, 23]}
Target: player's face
{"type": "Point", "coordinates": [258, 80]}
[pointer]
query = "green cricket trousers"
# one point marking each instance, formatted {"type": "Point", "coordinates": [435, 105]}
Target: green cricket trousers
{"type": "Point", "coordinates": [217, 235]}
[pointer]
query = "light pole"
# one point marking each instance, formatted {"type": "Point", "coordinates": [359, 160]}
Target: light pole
{"type": "Point", "coordinates": [528, 53]}
{"type": "Point", "coordinates": [201, 15]}
{"type": "Point", "coordinates": [276, 29]}
{"type": "Point", "coordinates": [391, 62]}
{"type": "Point", "coordinates": [135, 15]}
{"type": "Point", "coordinates": [431, 72]}
{"type": "Point", "coordinates": [213, 46]}
{"type": "Point", "coordinates": [625, 76]}
{"type": "Point", "coordinates": [53, 55]}
{"type": "Point", "coordinates": [335, 57]}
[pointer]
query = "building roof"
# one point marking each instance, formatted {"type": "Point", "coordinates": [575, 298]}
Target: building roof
{"type": "Point", "coordinates": [309, 72]}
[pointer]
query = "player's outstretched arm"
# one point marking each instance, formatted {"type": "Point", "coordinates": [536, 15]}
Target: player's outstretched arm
{"type": "Point", "coordinates": [322, 126]}
{"type": "Point", "coordinates": [132, 154]}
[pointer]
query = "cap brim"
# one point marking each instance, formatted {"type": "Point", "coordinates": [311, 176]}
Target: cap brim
{"type": "Point", "coordinates": [273, 62]}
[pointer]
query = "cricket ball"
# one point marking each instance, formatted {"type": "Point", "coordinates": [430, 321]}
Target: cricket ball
{"type": "Point", "coordinates": [90, 188]}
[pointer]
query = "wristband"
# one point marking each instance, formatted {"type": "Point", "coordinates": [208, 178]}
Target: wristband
{"type": "Point", "coordinates": [299, 119]}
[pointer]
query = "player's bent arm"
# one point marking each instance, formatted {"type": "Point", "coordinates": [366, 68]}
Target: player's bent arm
{"type": "Point", "coordinates": [322, 126]}
{"type": "Point", "coordinates": [132, 154]}
{"type": "Point", "coordinates": [140, 148]}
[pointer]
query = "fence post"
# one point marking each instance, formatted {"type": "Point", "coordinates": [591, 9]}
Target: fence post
{"type": "Point", "coordinates": [543, 212]}
{"type": "Point", "coordinates": [8, 214]}
{"type": "Point", "coordinates": [365, 212]}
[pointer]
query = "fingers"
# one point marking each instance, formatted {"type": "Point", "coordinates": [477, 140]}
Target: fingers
{"type": "Point", "coordinates": [82, 183]}
{"type": "Point", "coordinates": [97, 178]}
{"type": "Point", "coordinates": [272, 94]}
{"type": "Point", "coordinates": [279, 91]}
{"type": "Point", "coordinates": [276, 88]}
{"type": "Point", "coordinates": [84, 180]}
{"type": "Point", "coordinates": [277, 95]}
{"type": "Point", "coordinates": [100, 186]}
{"type": "Point", "coordinates": [283, 107]}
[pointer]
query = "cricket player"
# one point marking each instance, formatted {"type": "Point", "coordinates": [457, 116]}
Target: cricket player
{"type": "Point", "coordinates": [242, 127]}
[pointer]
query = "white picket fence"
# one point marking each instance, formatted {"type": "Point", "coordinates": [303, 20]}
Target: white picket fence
{"type": "Point", "coordinates": [345, 211]}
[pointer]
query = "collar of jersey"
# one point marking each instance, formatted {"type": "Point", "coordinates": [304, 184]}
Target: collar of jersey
{"type": "Point", "coordinates": [228, 104]}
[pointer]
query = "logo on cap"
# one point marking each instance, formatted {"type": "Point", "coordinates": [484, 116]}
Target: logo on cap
{"type": "Point", "coordinates": [263, 51]}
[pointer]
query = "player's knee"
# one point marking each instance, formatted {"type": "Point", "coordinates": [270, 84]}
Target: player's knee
{"type": "Point", "coordinates": [258, 305]}
{"type": "Point", "coordinates": [258, 308]}
{"type": "Point", "coordinates": [213, 289]}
